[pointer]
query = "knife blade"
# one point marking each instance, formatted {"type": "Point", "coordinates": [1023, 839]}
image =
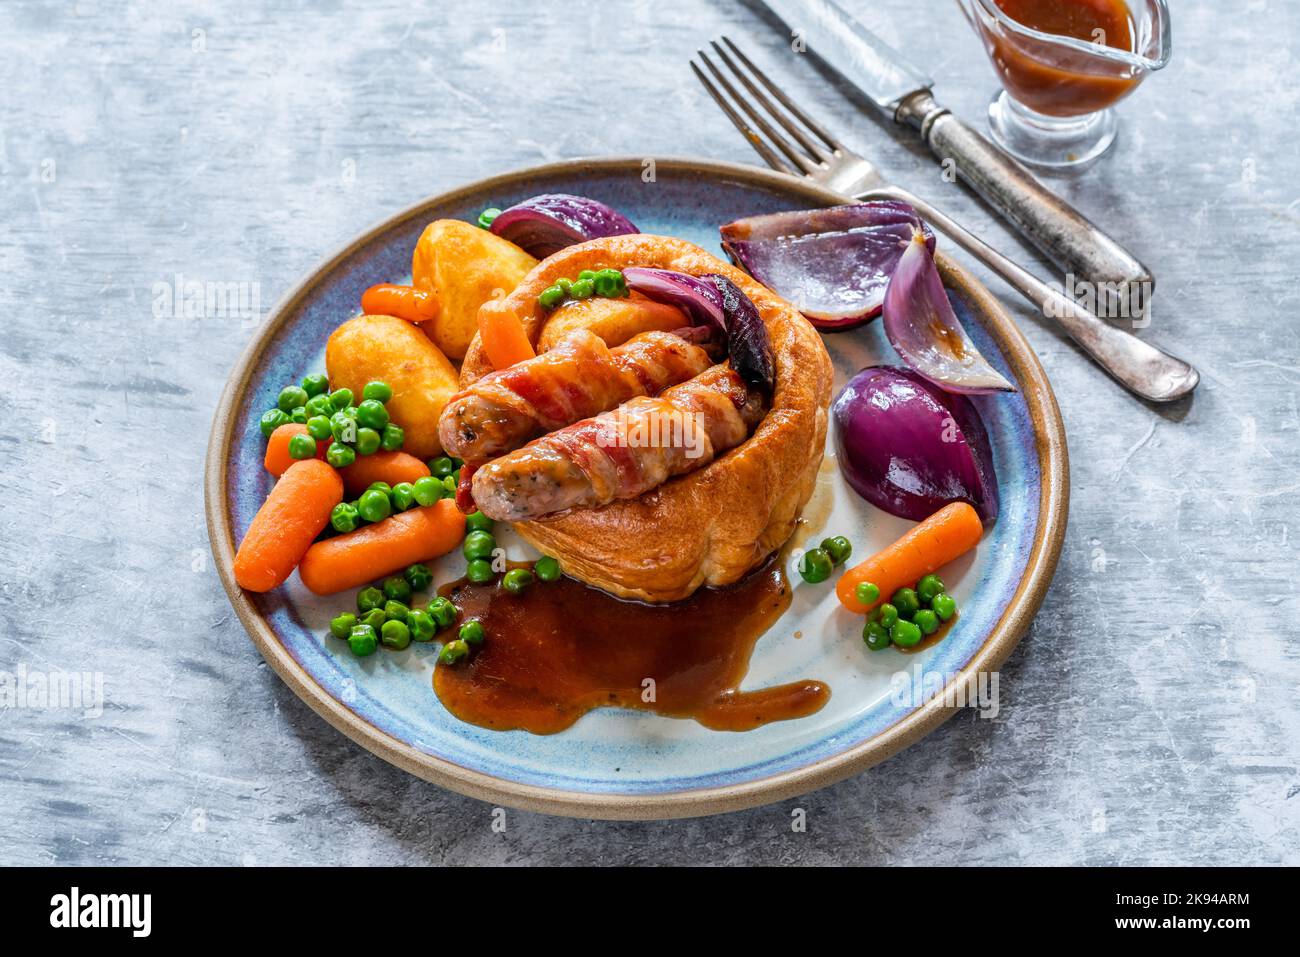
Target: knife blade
{"type": "Point", "coordinates": [902, 92]}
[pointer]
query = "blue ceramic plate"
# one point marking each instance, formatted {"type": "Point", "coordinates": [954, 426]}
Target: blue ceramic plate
{"type": "Point", "coordinates": [626, 764]}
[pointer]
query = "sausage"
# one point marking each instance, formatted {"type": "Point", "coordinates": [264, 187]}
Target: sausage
{"type": "Point", "coordinates": [578, 378]}
{"type": "Point", "coordinates": [622, 453]}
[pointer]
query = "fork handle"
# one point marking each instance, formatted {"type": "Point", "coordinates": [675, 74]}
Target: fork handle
{"type": "Point", "coordinates": [1140, 367]}
{"type": "Point", "coordinates": [1063, 234]}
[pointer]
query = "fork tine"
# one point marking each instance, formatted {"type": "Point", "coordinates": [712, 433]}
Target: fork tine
{"type": "Point", "coordinates": [789, 104]}
{"type": "Point", "coordinates": [760, 145]}
{"type": "Point", "coordinates": [783, 144]}
{"type": "Point", "coordinates": [776, 112]}
{"type": "Point", "coordinates": [756, 141]}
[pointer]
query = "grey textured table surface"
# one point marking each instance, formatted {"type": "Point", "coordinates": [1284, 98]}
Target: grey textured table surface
{"type": "Point", "coordinates": [1150, 715]}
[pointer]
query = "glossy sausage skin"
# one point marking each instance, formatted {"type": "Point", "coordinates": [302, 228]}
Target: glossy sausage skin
{"type": "Point", "coordinates": [578, 378]}
{"type": "Point", "coordinates": [623, 453]}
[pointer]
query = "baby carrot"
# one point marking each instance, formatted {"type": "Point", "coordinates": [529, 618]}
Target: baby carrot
{"type": "Point", "coordinates": [502, 334]}
{"type": "Point", "coordinates": [404, 302]}
{"type": "Point", "coordinates": [929, 545]}
{"type": "Point", "coordinates": [284, 527]}
{"type": "Point", "coordinates": [390, 467]}
{"type": "Point", "coordinates": [277, 448]}
{"type": "Point", "coordinates": [418, 534]}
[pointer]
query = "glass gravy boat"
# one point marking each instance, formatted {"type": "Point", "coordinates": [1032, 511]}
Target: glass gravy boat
{"type": "Point", "coordinates": [1054, 110]}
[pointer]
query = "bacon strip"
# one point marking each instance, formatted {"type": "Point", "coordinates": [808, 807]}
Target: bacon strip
{"type": "Point", "coordinates": [623, 453]}
{"type": "Point", "coordinates": [578, 378]}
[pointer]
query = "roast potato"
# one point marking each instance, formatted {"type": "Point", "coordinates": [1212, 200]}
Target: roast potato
{"type": "Point", "coordinates": [463, 266]}
{"type": "Point", "coordinates": [394, 351]}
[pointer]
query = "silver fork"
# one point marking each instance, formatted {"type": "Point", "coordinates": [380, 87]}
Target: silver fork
{"type": "Point", "coordinates": [1140, 367]}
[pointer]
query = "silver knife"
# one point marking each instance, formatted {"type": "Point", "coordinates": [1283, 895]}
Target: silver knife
{"type": "Point", "coordinates": [902, 92]}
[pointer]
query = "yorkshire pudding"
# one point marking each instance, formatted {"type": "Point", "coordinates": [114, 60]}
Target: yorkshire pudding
{"type": "Point", "coordinates": [711, 526]}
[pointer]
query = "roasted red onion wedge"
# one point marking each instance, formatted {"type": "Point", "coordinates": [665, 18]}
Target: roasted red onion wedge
{"type": "Point", "coordinates": [548, 223]}
{"type": "Point", "coordinates": [910, 448]}
{"type": "Point", "coordinates": [832, 264]}
{"type": "Point", "coordinates": [926, 333]}
{"type": "Point", "coordinates": [715, 302]}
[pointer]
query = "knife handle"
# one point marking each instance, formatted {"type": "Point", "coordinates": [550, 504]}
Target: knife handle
{"type": "Point", "coordinates": [1058, 229]}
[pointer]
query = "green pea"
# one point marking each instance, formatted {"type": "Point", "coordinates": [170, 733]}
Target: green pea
{"type": "Point", "coordinates": [606, 285]}
{"type": "Point", "coordinates": [403, 496]}
{"type": "Point", "coordinates": [566, 286]}
{"type": "Point", "coordinates": [368, 441]}
{"type": "Point", "coordinates": [550, 297]}
{"type": "Point", "coordinates": [344, 517]}
{"type": "Point", "coordinates": [886, 614]}
{"type": "Point", "coordinates": [582, 289]}
{"type": "Point", "coordinates": [398, 588]}
{"type": "Point", "coordinates": [315, 384]}
{"type": "Point", "coordinates": [906, 602]}
{"type": "Point", "coordinates": [427, 490]}
{"type": "Point", "coordinates": [395, 610]}
{"type": "Point", "coordinates": [291, 396]}
{"type": "Point", "coordinates": [479, 571]}
{"type": "Point", "coordinates": [395, 635]}
{"type": "Point", "coordinates": [339, 455]}
{"type": "Point", "coordinates": [375, 618]}
{"type": "Point", "coordinates": [362, 641]}
{"type": "Point", "coordinates": [341, 625]}
{"type": "Point", "coordinates": [369, 599]}
{"type": "Point", "coordinates": [517, 580]}
{"type": "Point", "coordinates": [443, 611]}
{"type": "Point", "coordinates": [319, 405]}
{"type": "Point", "coordinates": [380, 487]}
{"type": "Point", "coordinates": [302, 447]}
{"type": "Point", "coordinates": [452, 652]}
{"type": "Point", "coordinates": [928, 587]}
{"type": "Point", "coordinates": [441, 467]}
{"type": "Point", "coordinates": [867, 593]}
{"type": "Point", "coordinates": [340, 399]}
{"type": "Point", "coordinates": [838, 548]}
{"type": "Point", "coordinates": [926, 620]}
{"type": "Point", "coordinates": [372, 414]}
{"type": "Point", "coordinates": [394, 437]}
{"type": "Point", "coordinates": [318, 427]}
{"type": "Point", "coordinates": [421, 624]}
{"type": "Point", "coordinates": [299, 415]}
{"type": "Point", "coordinates": [478, 545]}
{"type": "Point", "coordinates": [587, 274]}
{"type": "Point", "coordinates": [449, 486]}
{"type": "Point", "coordinates": [374, 506]}
{"type": "Point", "coordinates": [478, 522]}
{"type": "Point", "coordinates": [486, 218]}
{"type": "Point", "coordinates": [271, 420]}
{"type": "Point", "coordinates": [472, 631]}
{"type": "Point", "coordinates": [815, 566]}
{"type": "Point", "coordinates": [875, 635]}
{"type": "Point", "coordinates": [343, 427]}
{"type": "Point", "coordinates": [944, 606]}
{"type": "Point", "coordinates": [377, 390]}
{"type": "Point", "coordinates": [905, 634]}
{"type": "Point", "coordinates": [547, 569]}
{"type": "Point", "coordinates": [418, 577]}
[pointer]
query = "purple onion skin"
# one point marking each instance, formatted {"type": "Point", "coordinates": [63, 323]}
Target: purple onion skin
{"type": "Point", "coordinates": [910, 448]}
{"type": "Point", "coordinates": [749, 345]}
{"type": "Point", "coordinates": [926, 333]}
{"type": "Point", "coordinates": [715, 302]}
{"type": "Point", "coordinates": [545, 224]}
{"type": "Point", "coordinates": [694, 295]}
{"type": "Point", "coordinates": [833, 264]}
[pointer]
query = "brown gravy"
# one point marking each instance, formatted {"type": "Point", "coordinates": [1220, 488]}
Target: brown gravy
{"type": "Point", "coordinates": [562, 648]}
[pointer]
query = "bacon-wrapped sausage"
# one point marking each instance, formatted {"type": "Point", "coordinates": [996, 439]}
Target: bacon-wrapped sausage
{"type": "Point", "coordinates": [578, 378]}
{"type": "Point", "coordinates": [623, 453]}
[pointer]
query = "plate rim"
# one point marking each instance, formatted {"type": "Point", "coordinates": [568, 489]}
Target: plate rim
{"type": "Point", "coordinates": [1053, 461]}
